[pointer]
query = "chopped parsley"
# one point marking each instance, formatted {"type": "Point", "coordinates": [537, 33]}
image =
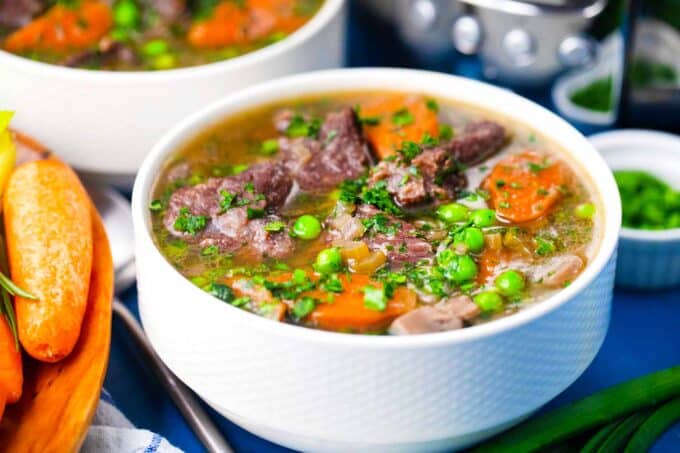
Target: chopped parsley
{"type": "Point", "coordinates": [222, 292]}
{"type": "Point", "coordinates": [300, 127]}
{"type": "Point", "coordinates": [275, 226]}
{"type": "Point", "coordinates": [380, 223]}
{"type": "Point", "coordinates": [254, 213]}
{"type": "Point", "coordinates": [544, 247]}
{"type": "Point", "coordinates": [428, 140]}
{"type": "Point", "coordinates": [226, 200]}
{"type": "Point", "coordinates": [409, 150]}
{"type": "Point", "coordinates": [445, 132]}
{"type": "Point", "coordinates": [155, 206]}
{"type": "Point", "coordinates": [537, 168]}
{"type": "Point", "coordinates": [269, 147]}
{"type": "Point", "coordinates": [303, 307]}
{"type": "Point", "coordinates": [210, 250]}
{"type": "Point", "coordinates": [432, 105]}
{"type": "Point", "coordinates": [379, 197]}
{"type": "Point", "coordinates": [500, 183]}
{"type": "Point", "coordinates": [249, 187]}
{"type": "Point", "coordinates": [374, 298]}
{"type": "Point", "coordinates": [331, 283]}
{"type": "Point", "coordinates": [402, 117]}
{"type": "Point", "coordinates": [188, 223]}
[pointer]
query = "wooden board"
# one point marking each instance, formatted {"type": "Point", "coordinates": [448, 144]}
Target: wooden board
{"type": "Point", "coordinates": [59, 399]}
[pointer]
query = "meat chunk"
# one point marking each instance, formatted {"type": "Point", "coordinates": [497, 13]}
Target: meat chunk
{"type": "Point", "coordinates": [432, 175]}
{"type": "Point", "coordinates": [401, 243]}
{"type": "Point", "coordinates": [233, 211]}
{"type": "Point", "coordinates": [448, 315]}
{"type": "Point", "coordinates": [557, 272]}
{"type": "Point", "coordinates": [107, 51]}
{"type": "Point", "coordinates": [320, 164]}
{"type": "Point", "coordinates": [478, 141]}
{"type": "Point", "coordinates": [17, 13]}
{"type": "Point", "coordinates": [425, 320]}
{"type": "Point", "coordinates": [168, 10]}
{"type": "Point", "coordinates": [435, 173]}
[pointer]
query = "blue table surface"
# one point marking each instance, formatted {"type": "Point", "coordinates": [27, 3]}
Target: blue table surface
{"type": "Point", "coordinates": [644, 334]}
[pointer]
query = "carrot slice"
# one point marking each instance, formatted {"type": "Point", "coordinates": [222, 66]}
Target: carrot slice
{"type": "Point", "coordinates": [232, 24]}
{"type": "Point", "coordinates": [63, 28]}
{"type": "Point", "coordinates": [49, 245]}
{"type": "Point", "coordinates": [347, 311]}
{"type": "Point", "coordinates": [525, 186]}
{"type": "Point", "coordinates": [399, 118]}
{"type": "Point", "coordinates": [11, 374]}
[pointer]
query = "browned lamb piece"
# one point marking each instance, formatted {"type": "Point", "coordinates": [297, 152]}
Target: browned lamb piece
{"type": "Point", "coordinates": [262, 189]}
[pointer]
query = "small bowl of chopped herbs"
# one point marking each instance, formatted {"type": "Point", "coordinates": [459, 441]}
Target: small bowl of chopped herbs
{"type": "Point", "coordinates": [646, 166]}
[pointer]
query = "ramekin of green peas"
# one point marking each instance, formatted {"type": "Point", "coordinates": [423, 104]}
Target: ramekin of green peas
{"type": "Point", "coordinates": [646, 166]}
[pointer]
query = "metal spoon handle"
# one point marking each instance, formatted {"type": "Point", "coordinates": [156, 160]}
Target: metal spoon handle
{"type": "Point", "coordinates": [186, 402]}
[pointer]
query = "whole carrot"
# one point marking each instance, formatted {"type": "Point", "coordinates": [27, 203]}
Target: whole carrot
{"type": "Point", "coordinates": [49, 242]}
{"type": "Point", "coordinates": [11, 375]}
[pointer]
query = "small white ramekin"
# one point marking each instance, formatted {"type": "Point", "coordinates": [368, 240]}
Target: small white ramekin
{"type": "Point", "coordinates": [324, 391]}
{"type": "Point", "coordinates": [105, 122]}
{"type": "Point", "coordinates": [646, 259]}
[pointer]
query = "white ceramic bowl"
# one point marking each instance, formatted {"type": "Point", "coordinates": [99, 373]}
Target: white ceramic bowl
{"type": "Point", "coordinates": [104, 122]}
{"type": "Point", "coordinates": [322, 391]}
{"type": "Point", "coordinates": [646, 259]}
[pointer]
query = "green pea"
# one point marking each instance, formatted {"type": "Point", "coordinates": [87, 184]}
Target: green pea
{"type": "Point", "coordinates": [510, 283]}
{"type": "Point", "coordinates": [328, 261]}
{"type": "Point", "coordinates": [483, 217]}
{"type": "Point", "coordinates": [126, 14]}
{"type": "Point", "coordinates": [155, 48]}
{"type": "Point", "coordinates": [473, 238]}
{"type": "Point", "coordinates": [489, 301]}
{"type": "Point", "coordinates": [307, 227]}
{"type": "Point", "coordinates": [462, 269]}
{"type": "Point", "coordinates": [165, 61]}
{"type": "Point", "coordinates": [453, 212]}
{"type": "Point", "coordinates": [585, 211]}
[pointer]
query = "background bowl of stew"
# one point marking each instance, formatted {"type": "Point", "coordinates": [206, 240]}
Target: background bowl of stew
{"type": "Point", "coordinates": [323, 391]}
{"type": "Point", "coordinates": [105, 122]}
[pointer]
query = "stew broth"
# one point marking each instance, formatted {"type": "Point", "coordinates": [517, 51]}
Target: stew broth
{"type": "Point", "coordinates": [393, 248]}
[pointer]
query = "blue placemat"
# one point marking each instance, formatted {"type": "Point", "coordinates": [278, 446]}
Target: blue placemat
{"type": "Point", "coordinates": [644, 335]}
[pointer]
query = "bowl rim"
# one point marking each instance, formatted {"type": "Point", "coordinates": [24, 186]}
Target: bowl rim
{"type": "Point", "coordinates": [328, 11]}
{"type": "Point", "coordinates": [341, 80]}
{"type": "Point", "coordinates": [606, 142]}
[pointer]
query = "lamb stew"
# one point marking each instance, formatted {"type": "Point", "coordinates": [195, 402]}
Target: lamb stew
{"type": "Point", "coordinates": [375, 213]}
{"type": "Point", "coordinates": [134, 35]}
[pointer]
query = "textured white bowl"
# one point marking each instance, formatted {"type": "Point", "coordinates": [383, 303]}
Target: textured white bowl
{"type": "Point", "coordinates": [104, 123]}
{"type": "Point", "coordinates": [646, 259]}
{"type": "Point", "coordinates": [322, 391]}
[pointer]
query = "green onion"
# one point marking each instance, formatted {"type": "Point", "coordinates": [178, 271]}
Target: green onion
{"type": "Point", "coordinates": [619, 437]}
{"type": "Point", "coordinates": [269, 147]}
{"type": "Point", "coordinates": [600, 437]}
{"type": "Point", "coordinates": [588, 413]}
{"type": "Point", "coordinates": [663, 418]}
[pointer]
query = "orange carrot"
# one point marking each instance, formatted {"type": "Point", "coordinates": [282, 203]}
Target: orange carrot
{"type": "Point", "coordinates": [2, 402]}
{"type": "Point", "coordinates": [525, 186]}
{"type": "Point", "coordinates": [49, 243]}
{"type": "Point", "coordinates": [231, 24]}
{"type": "Point", "coordinates": [401, 118]}
{"type": "Point", "coordinates": [11, 374]}
{"type": "Point", "coordinates": [347, 311]}
{"type": "Point", "coordinates": [63, 28]}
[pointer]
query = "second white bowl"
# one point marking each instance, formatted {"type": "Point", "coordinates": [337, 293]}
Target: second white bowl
{"type": "Point", "coordinates": [104, 123]}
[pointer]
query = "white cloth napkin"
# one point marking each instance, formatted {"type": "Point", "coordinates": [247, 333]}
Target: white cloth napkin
{"type": "Point", "coordinates": [112, 432]}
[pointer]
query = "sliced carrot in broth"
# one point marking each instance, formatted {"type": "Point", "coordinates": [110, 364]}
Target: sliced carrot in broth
{"type": "Point", "coordinates": [401, 118]}
{"type": "Point", "coordinates": [524, 186]}
{"type": "Point", "coordinates": [63, 28]}
{"type": "Point", "coordinates": [347, 312]}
